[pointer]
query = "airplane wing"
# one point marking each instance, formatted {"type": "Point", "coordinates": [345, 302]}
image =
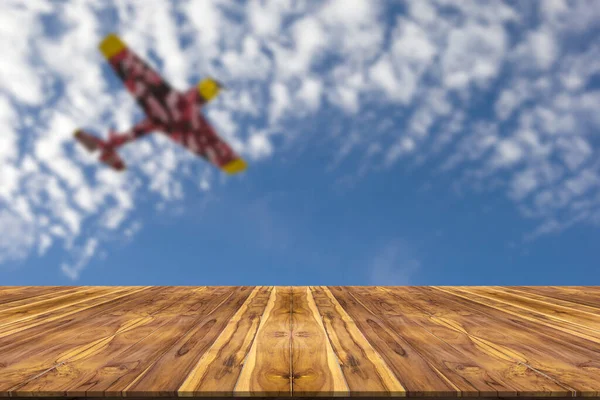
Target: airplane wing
{"type": "Point", "coordinates": [148, 88]}
{"type": "Point", "coordinates": [205, 142]}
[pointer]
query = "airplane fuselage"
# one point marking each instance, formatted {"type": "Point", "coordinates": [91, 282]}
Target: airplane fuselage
{"type": "Point", "coordinates": [176, 114]}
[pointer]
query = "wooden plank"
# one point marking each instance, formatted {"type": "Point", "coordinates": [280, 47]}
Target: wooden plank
{"type": "Point", "coordinates": [26, 332]}
{"type": "Point", "coordinates": [566, 359]}
{"type": "Point", "coordinates": [180, 357]}
{"type": "Point", "coordinates": [9, 295]}
{"type": "Point", "coordinates": [219, 368]}
{"type": "Point", "coordinates": [267, 369]}
{"type": "Point", "coordinates": [577, 314]}
{"type": "Point", "coordinates": [469, 376]}
{"type": "Point", "coordinates": [43, 320]}
{"type": "Point", "coordinates": [537, 315]}
{"type": "Point", "coordinates": [364, 369]}
{"type": "Point", "coordinates": [528, 314]}
{"type": "Point", "coordinates": [28, 360]}
{"type": "Point", "coordinates": [414, 371]}
{"type": "Point", "coordinates": [300, 341]}
{"type": "Point", "coordinates": [473, 359]}
{"type": "Point", "coordinates": [62, 299]}
{"type": "Point", "coordinates": [584, 295]}
{"type": "Point", "coordinates": [315, 366]}
{"type": "Point", "coordinates": [121, 356]}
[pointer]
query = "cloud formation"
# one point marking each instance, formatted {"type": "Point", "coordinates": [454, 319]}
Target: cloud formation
{"type": "Point", "coordinates": [484, 90]}
{"type": "Point", "coordinates": [394, 265]}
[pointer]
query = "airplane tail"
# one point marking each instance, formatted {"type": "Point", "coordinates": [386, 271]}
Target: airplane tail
{"type": "Point", "coordinates": [108, 154]}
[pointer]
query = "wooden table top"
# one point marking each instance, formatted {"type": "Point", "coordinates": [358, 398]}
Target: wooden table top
{"type": "Point", "coordinates": [484, 342]}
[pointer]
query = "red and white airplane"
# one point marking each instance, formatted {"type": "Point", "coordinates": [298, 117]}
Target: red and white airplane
{"type": "Point", "coordinates": [168, 111]}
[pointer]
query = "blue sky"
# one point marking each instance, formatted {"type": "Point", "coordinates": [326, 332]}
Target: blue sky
{"type": "Point", "coordinates": [392, 143]}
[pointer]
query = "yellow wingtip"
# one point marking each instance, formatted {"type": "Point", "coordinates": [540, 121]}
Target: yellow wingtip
{"type": "Point", "coordinates": [235, 166]}
{"type": "Point", "coordinates": [208, 89]}
{"type": "Point", "coordinates": [111, 46]}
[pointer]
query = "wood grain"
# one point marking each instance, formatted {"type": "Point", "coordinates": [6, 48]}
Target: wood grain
{"type": "Point", "coordinates": [31, 307]}
{"type": "Point", "coordinates": [478, 354]}
{"type": "Point", "coordinates": [586, 295]}
{"type": "Point", "coordinates": [315, 366]}
{"type": "Point", "coordinates": [116, 352]}
{"type": "Point", "coordinates": [267, 369]}
{"type": "Point", "coordinates": [568, 360]}
{"type": "Point", "coordinates": [444, 342]}
{"type": "Point", "coordinates": [579, 315]}
{"type": "Point", "coordinates": [539, 316]}
{"type": "Point", "coordinates": [571, 296]}
{"type": "Point", "coordinates": [41, 354]}
{"type": "Point", "coordinates": [47, 322]}
{"type": "Point", "coordinates": [413, 370]}
{"type": "Point", "coordinates": [186, 350]}
{"type": "Point", "coordinates": [218, 370]}
{"type": "Point", "coordinates": [12, 294]}
{"type": "Point", "coordinates": [478, 368]}
{"type": "Point", "coordinates": [534, 316]}
{"type": "Point", "coordinates": [365, 371]}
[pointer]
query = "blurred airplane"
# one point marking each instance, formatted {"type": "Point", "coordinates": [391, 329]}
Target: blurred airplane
{"type": "Point", "coordinates": [166, 110]}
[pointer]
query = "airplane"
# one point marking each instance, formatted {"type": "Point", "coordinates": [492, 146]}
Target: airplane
{"type": "Point", "coordinates": [176, 114]}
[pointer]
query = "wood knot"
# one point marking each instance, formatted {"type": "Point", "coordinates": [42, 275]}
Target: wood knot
{"type": "Point", "coordinates": [399, 350]}
{"type": "Point", "coordinates": [352, 361]}
{"type": "Point", "coordinates": [229, 361]}
{"type": "Point", "coordinates": [183, 351]}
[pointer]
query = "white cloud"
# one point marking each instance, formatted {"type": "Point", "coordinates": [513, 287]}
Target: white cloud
{"type": "Point", "coordinates": [310, 93]}
{"type": "Point", "coordinates": [475, 53]}
{"type": "Point", "coordinates": [349, 143]}
{"type": "Point", "coordinates": [533, 177]}
{"type": "Point", "coordinates": [9, 181]}
{"type": "Point", "coordinates": [473, 147]}
{"type": "Point", "coordinates": [398, 73]}
{"type": "Point", "coordinates": [349, 83]}
{"type": "Point", "coordinates": [309, 38]}
{"type": "Point", "coordinates": [411, 44]}
{"type": "Point", "coordinates": [206, 24]}
{"type": "Point", "coordinates": [280, 101]}
{"type": "Point", "coordinates": [403, 146]}
{"type": "Point", "coordinates": [223, 122]}
{"type": "Point", "coordinates": [250, 63]}
{"type": "Point", "coordinates": [508, 152]}
{"type": "Point", "coordinates": [21, 78]}
{"type": "Point", "coordinates": [354, 28]}
{"type": "Point", "coordinates": [259, 146]}
{"type": "Point", "coordinates": [17, 237]}
{"type": "Point", "coordinates": [346, 98]}
{"type": "Point", "coordinates": [512, 97]}
{"type": "Point", "coordinates": [283, 61]}
{"type": "Point", "coordinates": [395, 264]}
{"type": "Point", "coordinates": [167, 45]}
{"type": "Point", "coordinates": [421, 122]}
{"type": "Point", "coordinates": [422, 11]}
{"type": "Point", "coordinates": [586, 180]}
{"type": "Point", "coordinates": [574, 151]}
{"type": "Point", "coordinates": [571, 16]}
{"type": "Point", "coordinates": [84, 255]}
{"type": "Point", "coordinates": [543, 46]}
{"type": "Point", "coordinates": [383, 76]}
{"type": "Point", "coordinates": [265, 17]}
